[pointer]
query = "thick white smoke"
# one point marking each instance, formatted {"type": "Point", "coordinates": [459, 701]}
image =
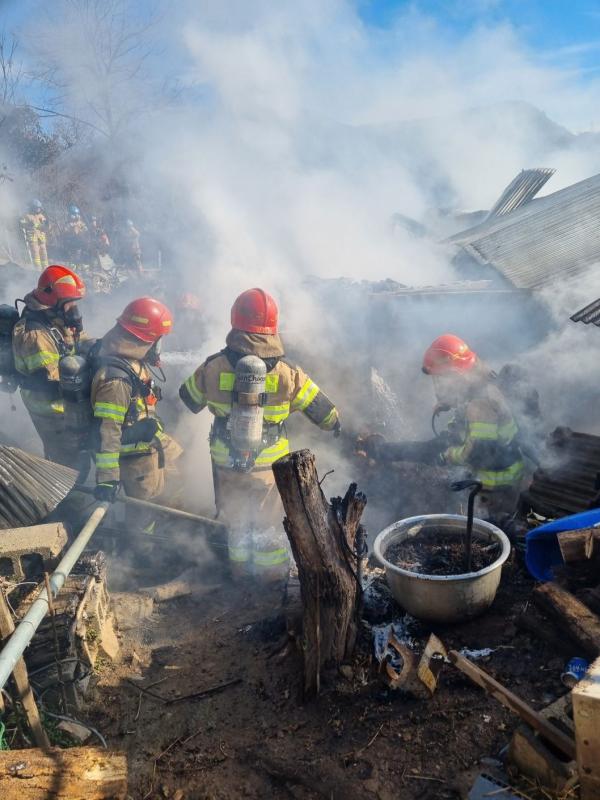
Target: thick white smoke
{"type": "Point", "coordinates": [297, 131]}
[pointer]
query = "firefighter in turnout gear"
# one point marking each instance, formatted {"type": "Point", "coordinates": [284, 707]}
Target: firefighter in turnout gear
{"type": "Point", "coordinates": [35, 229]}
{"type": "Point", "coordinates": [75, 236]}
{"type": "Point", "coordinates": [49, 328]}
{"type": "Point", "coordinates": [251, 390]}
{"type": "Point", "coordinates": [131, 448]}
{"type": "Point", "coordinates": [484, 437]}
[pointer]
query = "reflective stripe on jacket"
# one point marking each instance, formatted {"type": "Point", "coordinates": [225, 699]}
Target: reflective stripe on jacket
{"type": "Point", "coordinates": [117, 406]}
{"type": "Point", "coordinates": [37, 352]}
{"type": "Point", "coordinates": [287, 388]}
{"type": "Point", "coordinates": [489, 441]}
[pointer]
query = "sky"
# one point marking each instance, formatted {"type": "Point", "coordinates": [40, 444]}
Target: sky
{"type": "Point", "coordinates": [559, 29]}
{"type": "Point", "coordinates": [568, 29]}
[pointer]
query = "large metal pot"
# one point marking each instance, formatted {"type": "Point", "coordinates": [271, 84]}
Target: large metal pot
{"type": "Point", "coordinates": [442, 598]}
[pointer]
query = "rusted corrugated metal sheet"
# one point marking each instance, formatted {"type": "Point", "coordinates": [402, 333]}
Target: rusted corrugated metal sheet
{"type": "Point", "coordinates": [572, 482]}
{"type": "Point", "coordinates": [30, 487]}
{"type": "Point", "coordinates": [520, 190]}
{"type": "Point", "coordinates": [547, 239]}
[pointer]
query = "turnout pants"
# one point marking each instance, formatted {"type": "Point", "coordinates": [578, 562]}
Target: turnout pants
{"type": "Point", "coordinates": [249, 503]}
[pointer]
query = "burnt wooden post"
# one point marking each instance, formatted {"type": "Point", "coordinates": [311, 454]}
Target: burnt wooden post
{"type": "Point", "coordinates": [21, 679]}
{"type": "Point", "coordinates": [322, 538]}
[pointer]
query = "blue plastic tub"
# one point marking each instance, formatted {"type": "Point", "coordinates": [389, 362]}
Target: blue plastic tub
{"type": "Point", "coordinates": [542, 552]}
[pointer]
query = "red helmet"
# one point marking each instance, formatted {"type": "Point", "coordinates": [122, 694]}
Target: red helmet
{"type": "Point", "coordinates": [147, 319]}
{"type": "Point", "coordinates": [57, 283]}
{"type": "Point", "coordinates": [255, 311]}
{"type": "Point", "coordinates": [448, 353]}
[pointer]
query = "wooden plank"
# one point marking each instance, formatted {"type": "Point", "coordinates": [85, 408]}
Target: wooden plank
{"type": "Point", "coordinates": [578, 545]}
{"type": "Point", "coordinates": [21, 680]}
{"type": "Point", "coordinates": [586, 716]}
{"type": "Point", "coordinates": [549, 731]}
{"type": "Point", "coordinates": [73, 774]}
{"type": "Point", "coordinates": [576, 620]}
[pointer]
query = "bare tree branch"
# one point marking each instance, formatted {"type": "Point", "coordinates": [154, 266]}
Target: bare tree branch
{"type": "Point", "coordinates": [100, 78]}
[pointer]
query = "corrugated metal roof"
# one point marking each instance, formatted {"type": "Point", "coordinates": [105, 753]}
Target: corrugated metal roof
{"type": "Point", "coordinates": [520, 190]}
{"type": "Point", "coordinates": [589, 314]}
{"type": "Point", "coordinates": [552, 237]}
{"type": "Point", "coordinates": [30, 487]}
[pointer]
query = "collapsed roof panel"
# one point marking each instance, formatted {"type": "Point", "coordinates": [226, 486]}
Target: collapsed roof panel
{"type": "Point", "coordinates": [30, 487]}
{"type": "Point", "coordinates": [521, 190]}
{"type": "Point", "coordinates": [548, 238]}
{"type": "Point", "coordinates": [588, 315]}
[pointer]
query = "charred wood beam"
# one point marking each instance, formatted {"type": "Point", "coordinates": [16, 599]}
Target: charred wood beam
{"type": "Point", "coordinates": [322, 538]}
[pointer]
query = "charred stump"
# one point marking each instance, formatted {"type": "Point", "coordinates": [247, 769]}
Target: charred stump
{"type": "Point", "coordinates": [323, 538]}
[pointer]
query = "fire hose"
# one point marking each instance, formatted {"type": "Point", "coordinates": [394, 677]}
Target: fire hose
{"type": "Point", "coordinates": [174, 512]}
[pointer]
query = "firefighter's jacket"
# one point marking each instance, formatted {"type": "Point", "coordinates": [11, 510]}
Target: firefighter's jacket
{"type": "Point", "coordinates": [39, 342]}
{"type": "Point", "coordinates": [124, 405]}
{"type": "Point", "coordinates": [288, 389]}
{"type": "Point", "coordinates": [488, 439]}
{"type": "Point", "coordinates": [35, 226]}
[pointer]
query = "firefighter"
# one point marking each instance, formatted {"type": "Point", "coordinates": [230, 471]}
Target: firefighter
{"type": "Point", "coordinates": [245, 494]}
{"type": "Point", "coordinates": [130, 248]}
{"type": "Point", "coordinates": [484, 432]}
{"type": "Point", "coordinates": [131, 448]}
{"type": "Point", "coordinates": [74, 238]}
{"type": "Point", "coordinates": [99, 242]}
{"type": "Point", "coordinates": [50, 327]}
{"type": "Point", "coordinates": [35, 229]}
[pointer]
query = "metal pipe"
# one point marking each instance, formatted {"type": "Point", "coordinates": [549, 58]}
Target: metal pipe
{"type": "Point", "coordinates": [174, 512]}
{"type": "Point", "coordinates": [25, 630]}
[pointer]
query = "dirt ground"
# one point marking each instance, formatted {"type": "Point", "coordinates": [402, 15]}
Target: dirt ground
{"type": "Point", "coordinates": [257, 739]}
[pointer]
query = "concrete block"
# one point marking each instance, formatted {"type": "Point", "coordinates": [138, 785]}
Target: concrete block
{"type": "Point", "coordinates": [28, 552]}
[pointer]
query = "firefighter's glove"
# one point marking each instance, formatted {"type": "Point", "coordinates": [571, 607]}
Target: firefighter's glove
{"type": "Point", "coordinates": [337, 430]}
{"type": "Point", "coordinates": [107, 492]}
{"type": "Point", "coordinates": [370, 445]}
{"type": "Point", "coordinates": [441, 459]}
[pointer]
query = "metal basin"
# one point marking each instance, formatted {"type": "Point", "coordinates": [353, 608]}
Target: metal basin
{"type": "Point", "coordinates": [442, 598]}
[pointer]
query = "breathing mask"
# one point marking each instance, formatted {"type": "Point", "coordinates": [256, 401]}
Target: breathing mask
{"type": "Point", "coordinates": [72, 318]}
{"type": "Point", "coordinates": [152, 359]}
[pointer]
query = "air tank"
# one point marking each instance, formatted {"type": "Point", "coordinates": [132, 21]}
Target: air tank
{"type": "Point", "coordinates": [247, 411]}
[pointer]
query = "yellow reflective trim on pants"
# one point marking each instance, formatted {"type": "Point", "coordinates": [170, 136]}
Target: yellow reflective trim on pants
{"type": "Point", "coordinates": [483, 430]}
{"type": "Point", "coordinates": [219, 409]}
{"type": "Point", "coordinates": [507, 477]}
{"type": "Point", "coordinates": [195, 393]}
{"type": "Point", "coordinates": [238, 554]}
{"type": "Point", "coordinates": [42, 358]}
{"type": "Point", "coordinates": [276, 413]}
{"type": "Point", "coordinates": [226, 381]}
{"type": "Point", "coordinates": [270, 558]}
{"type": "Point", "coordinates": [107, 460]}
{"type": "Point", "coordinates": [305, 396]}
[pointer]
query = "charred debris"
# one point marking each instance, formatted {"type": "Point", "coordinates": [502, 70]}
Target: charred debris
{"type": "Point", "coordinates": [342, 628]}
